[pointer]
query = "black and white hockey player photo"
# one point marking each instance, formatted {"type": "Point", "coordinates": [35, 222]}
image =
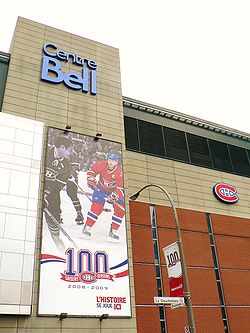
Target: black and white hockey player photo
{"type": "Point", "coordinates": [57, 173]}
{"type": "Point", "coordinates": [72, 187]}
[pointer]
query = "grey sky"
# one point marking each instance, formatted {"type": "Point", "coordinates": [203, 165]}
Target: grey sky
{"type": "Point", "coordinates": [188, 56]}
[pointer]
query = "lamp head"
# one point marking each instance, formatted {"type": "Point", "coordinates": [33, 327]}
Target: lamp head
{"type": "Point", "coordinates": [63, 315]}
{"type": "Point", "coordinates": [104, 316]}
{"type": "Point", "coordinates": [67, 129]}
{"type": "Point", "coordinates": [97, 136]}
{"type": "Point", "coordinates": [134, 196]}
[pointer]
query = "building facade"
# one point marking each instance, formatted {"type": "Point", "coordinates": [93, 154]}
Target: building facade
{"type": "Point", "coordinates": [56, 82]}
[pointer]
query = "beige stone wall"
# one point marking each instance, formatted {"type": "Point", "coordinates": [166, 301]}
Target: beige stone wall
{"type": "Point", "coordinates": [26, 95]}
{"type": "Point", "coordinates": [189, 186]}
{"type": "Point", "coordinates": [56, 105]}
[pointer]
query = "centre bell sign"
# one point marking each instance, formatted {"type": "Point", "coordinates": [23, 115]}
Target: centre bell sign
{"type": "Point", "coordinates": [52, 69]}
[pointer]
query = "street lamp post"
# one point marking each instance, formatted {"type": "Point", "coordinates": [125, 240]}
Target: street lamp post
{"type": "Point", "coordinates": [187, 297]}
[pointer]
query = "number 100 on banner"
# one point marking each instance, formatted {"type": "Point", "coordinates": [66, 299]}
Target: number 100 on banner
{"type": "Point", "coordinates": [172, 256]}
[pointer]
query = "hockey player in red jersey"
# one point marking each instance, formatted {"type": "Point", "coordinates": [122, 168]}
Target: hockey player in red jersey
{"type": "Point", "coordinates": [108, 188]}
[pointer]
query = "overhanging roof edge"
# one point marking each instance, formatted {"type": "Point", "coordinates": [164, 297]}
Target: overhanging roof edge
{"type": "Point", "coordinates": [178, 116]}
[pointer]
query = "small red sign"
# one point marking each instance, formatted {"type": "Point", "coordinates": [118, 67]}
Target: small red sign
{"type": "Point", "coordinates": [176, 287]}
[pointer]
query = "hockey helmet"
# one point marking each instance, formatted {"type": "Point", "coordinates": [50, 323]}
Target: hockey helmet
{"type": "Point", "coordinates": [63, 141]}
{"type": "Point", "coordinates": [112, 156]}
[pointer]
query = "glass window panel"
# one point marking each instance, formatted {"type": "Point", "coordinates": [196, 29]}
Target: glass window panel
{"type": "Point", "coordinates": [158, 271]}
{"type": "Point", "coordinates": [162, 313]}
{"type": "Point", "coordinates": [152, 216]}
{"type": "Point", "coordinates": [151, 138]}
{"type": "Point", "coordinates": [131, 133]}
{"type": "Point", "coordinates": [217, 274]}
{"type": "Point", "coordinates": [220, 155]}
{"type": "Point", "coordinates": [214, 257]}
{"type": "Point", "coordinates": [240, 160]}
{"type": "Point", "coordinates": [163, 328]}
{"type": "Point", "coordinates": [176, 145]}
{"type": "Point", "coordinates": [154, 233]}
{"type": "Point", "coordinates": [248, 154]}
{"type": "Point", "coordinates": [198, 148]}
{"type": "Point", "coordinates": [159, 286]}
{"type": "Point", "coordinates": [156, 254]}
{"type": "Point", "coordinates": [220, 292]}
{"type": "Point", "coordinates": [223, 311]}
{"type": "Point", "coordinates": [4, 64]}
{"type": "Point", "coordinates": [225, 326]}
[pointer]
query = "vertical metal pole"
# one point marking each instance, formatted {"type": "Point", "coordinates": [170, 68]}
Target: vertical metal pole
{"type": "Point", "coordinates": [187, 296]}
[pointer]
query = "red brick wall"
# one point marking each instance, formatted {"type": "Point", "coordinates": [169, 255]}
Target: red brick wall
{"type": "Point", "coordinates": [144, 278]}
{"type": "Point", "coordinates": [142, 244]}
{"type": "Point", "coordinates": [148, 319]}
{"type": "Point", "coordinates": [139, 213]}
{"type": "Point", "coordinates": [207, 320]}
{"type": "Point", "coordinates": [165, 217]}
{"type": "Point", "coordinates": [176, 319]}
{"type": "Point", "coordinates": [239, 319]}
{"type": "Point", "coordinates": [188, 219]}
{"type": "Point", "coordinates": [232, 240]}
{"type": "Point", "coordinates": [236, 286]}
{"type": "Point", "coordinates": [192, 220]}
{"type": "Point", "coordinates": [233, 252]}
{"type": "Point", "coordinates": [229, 225]}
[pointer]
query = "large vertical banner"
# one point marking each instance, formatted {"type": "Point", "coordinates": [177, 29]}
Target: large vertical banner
{"type": "Point", "coordinates": [84, 259]}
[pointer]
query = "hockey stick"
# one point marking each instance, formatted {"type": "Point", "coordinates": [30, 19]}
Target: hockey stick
{"type": "Point", "coordinates": [115, 203]}
{"type": "Point", "coordinates": [81, 189]}
{"type": "Point", "coordinates": [61, 228]}
{"type": "Point", "coordinates": [120, 206]}
{"type": "Point", "coordinates": [86, 194]}
{"type": "Point", "coordinates": [105, 209]}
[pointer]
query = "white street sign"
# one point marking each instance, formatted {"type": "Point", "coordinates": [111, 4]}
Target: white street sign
{"type": "Point", "coordinates": [176, 305]}
{"type": "Point", "coordinates": [169, 300]}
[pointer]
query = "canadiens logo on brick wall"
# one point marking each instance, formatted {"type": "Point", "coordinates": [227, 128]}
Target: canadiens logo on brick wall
{"type": "Point", "coordinates": [225, 193]}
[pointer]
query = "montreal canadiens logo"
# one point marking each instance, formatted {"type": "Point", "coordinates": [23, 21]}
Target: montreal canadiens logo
{"type": "Point", "coordinates": [88, 277]}
{"type": "Point", "coordinates": [225, 193]}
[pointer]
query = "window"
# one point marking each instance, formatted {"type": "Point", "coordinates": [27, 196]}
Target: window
{"type": "Point", "coordinates": [176, 145]}
{"type": "Point", "coordinates": [131, 133]}
{"type": "Point", "coordinates": [217, 272]}
{"type": "Point", "coordinates": [159, 281]}
{"type": "Point", "coordinates": [220, 155]}
{"type": "Point", "coordinates": [4, 65]}
{"type": "Point", "coordinates": [199, 152]}
{"type": "Point", "coordinates": [240, 160]}
{"type": "Point", "coordinates": [151, 139]}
